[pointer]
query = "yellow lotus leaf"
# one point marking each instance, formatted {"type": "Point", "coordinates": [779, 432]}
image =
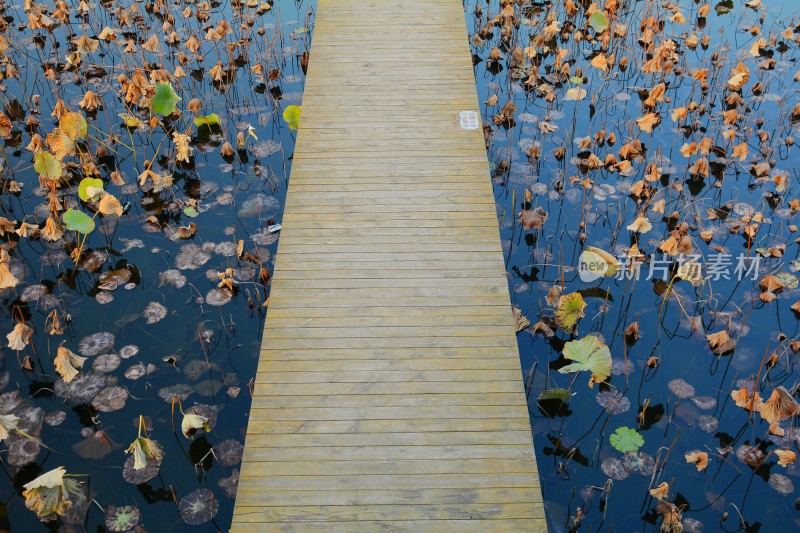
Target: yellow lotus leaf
{"type": "Point", "coordinates": [49, 495]}
{"type": "Point", "coordinates": [144, 450]}
{"type": "Point", "coordinates": [739, 76]}
{"type": "Point", "coordinates": [73, 125]}
{"type": "Point", "coordinates": [8, 423]}
{"type": "Point", "coordinates": [7, 279]}
{"type": "Point", "coordinates": [19, 337]}
{"type": "Point", "coordinates": [109, 205]}
{"type": "Point", "coordinates": [191, 423]}
{"type": "Point", "coordinates": [52, 230]}
{"type": "Point", "coordinates": [678, 114]}
{"type": "Point", "coordinates": [67, 364]}
{"type": "Point", "coordinates": [86, 45]}
{"type": "Point", "coordinates": [60, 144]}
{"type": "Point", "coordinates": [640, 225]}
{"type": "Point", "coordinates": [600, 61]}
{"type": "Point", "coordinates": [184, 151]}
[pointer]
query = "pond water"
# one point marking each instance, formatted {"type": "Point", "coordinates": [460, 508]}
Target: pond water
{"type": "Point", "coordinates": [593, 150]}
{"type": "Point", "coordinates": [666, 140]}
{"type": "Point", "coordinates": [150, 304]}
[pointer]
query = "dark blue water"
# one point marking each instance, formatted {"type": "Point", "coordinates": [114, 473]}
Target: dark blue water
{"type": "Point", "coordinates": [578, 465]}
{"type": "Point", "coordinates": [159, 297]}
{"type": "Point", "coordinates": [206, 353]}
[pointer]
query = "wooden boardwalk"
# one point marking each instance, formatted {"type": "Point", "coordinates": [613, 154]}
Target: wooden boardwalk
{"type": "Point", "coordinates": [389, 395]}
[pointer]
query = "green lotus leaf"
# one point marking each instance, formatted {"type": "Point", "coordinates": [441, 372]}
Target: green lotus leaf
{"type": "Point", "coordinates": [598, 21]}
{"type": "Point", "coordinates": [165, 100]}
{"type": "Point", "coordinates": [207, 120]}
{"type": "Point", "coordinates": [78, 221]}
{"type": "Point", "coordinates": [589, 353]}
{"type": "Point", "coordinates": [292, 116]}
{"type": "Point", "coordinates": [44, 163]}
{"type": "Point", "coordinates": [83, 189]}
{"type": "Point", "coordinates": [555, 394]}
{"type": "Point", "coordinates": [626, 439]}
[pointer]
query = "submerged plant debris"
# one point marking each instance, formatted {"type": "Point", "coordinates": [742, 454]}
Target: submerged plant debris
{"type": "Point", "coordinates": [143, 146]}
{"type": "Point", "coordinates": [645, 164]}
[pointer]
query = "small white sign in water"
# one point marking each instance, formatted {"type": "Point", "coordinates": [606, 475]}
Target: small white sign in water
{"type": "Point", "coordinates": [469, 120]}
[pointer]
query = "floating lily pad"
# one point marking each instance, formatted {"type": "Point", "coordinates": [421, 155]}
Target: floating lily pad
{"type": "Point", "coordinates": [639, 462]}
{"type": "Point", "coordinates": [22, 451]}
{"type": "Point", "coordinates": [154, 312]}
{"type": "Point", "coordinates": [613, 468]}
{"type": "Point", "coordinates": [106, 362]}
{"type": "Point", "coordinates": [81, 389]}
{"type": "Point", "coordinates": [191, 256]}
{"type": "Point", "coordinates": [229, 452]}
{"type": "Point", "coordinates": [128, 351]}
{"type": "Point", "coordinates": [218, 297]}
{"type": "Point", "coordinates": [589, 353]}
{"type": "Point", "coordinates": [781, 483]}
{"type": "Point", "coordinates": [181, 390]}
{"type": "Point", "coordinates": [229, 484]}
{"type": "Point", "coordinates": [198, 507]}
{"type": "Point", "coordinates": [142, 475]}
{"type": "Point", "coordinates": [613, 401]}
{"type": "Point", "coordinates": [626, 439]}
{"type": "Point", "coordinates": [681, 388]}
{"type": "Point", "coordinates": [96, 445]}
{"type": "Point", "coordinates": [33, 292]}
{"type": "Point", "coordinates": [172, 277]}
{"type": "Point", "coordinates": [110, 399]}
{"type": "Point", "coordinates": [55, 418]}
{"type": "Point", "coordinates": [96, 343]}
{"type": "Point", "coordinates": [165, 100]}
{"type": "Point", "coordinates": [122, 518]}
{"type": "Point", "coordinates": [292, 116]}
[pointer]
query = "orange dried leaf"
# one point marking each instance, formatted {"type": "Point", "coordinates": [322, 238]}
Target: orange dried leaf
{"type": "Point", "coordinates": [743, 399]}
{"type": "Point", "coordinates": [661, 492]}
{"type": "Point", "coordinates": [786, 457]}
{"type": "Point", "coordinates": [780, 406]}
{"type": "Point", "coordinates": [739, 76]}
{"type": "Point", "coordinates": [700, 459]}
{"type": "Point", "coordinates": [647, 122]}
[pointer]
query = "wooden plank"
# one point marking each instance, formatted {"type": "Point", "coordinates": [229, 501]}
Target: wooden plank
{"type": "Point", "coordinates": [493, 511]}
{"type": "Point", "coordinates": [277, 427]}
{"type": "Point", "coordinates": [440, 438]}
{"type": "Point", "coordinates": [336, 525]}
{"type": "Point", "coordinates": [389, 393]}
{"type": "Point", "coordinates": [253, 496]}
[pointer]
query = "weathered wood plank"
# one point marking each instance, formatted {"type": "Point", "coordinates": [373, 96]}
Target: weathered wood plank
{"type": "Point", "coordinates": [389, 394]}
